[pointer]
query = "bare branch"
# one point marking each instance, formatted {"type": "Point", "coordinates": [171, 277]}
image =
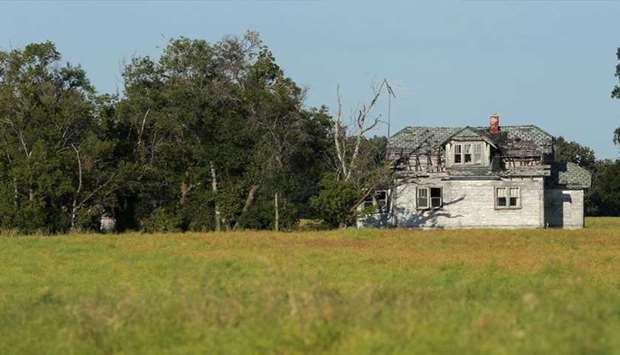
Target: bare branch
{"type": "Point", "coordinates": [142, 127]}
{"type": "Point", "coordinates": [96, 190]}
{"type": "Point", "coordinates": [337, 127]}
{"type": "Point", "coordinates": [363, 127]}
{"type": "Point", "coordinates": [75, 206]}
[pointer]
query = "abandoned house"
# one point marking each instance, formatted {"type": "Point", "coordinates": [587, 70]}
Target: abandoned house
{"type": "Point", "coordinates": [477, 177]}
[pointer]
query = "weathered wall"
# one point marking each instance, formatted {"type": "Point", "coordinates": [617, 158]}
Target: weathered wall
{"type": "Point", "coordinates": [564, 208]}
{"type": "Point", "coordinates": [469, 204]}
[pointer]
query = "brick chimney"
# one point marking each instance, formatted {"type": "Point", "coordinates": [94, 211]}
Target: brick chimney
{"type": "Point", "coordinates": [494, 124]}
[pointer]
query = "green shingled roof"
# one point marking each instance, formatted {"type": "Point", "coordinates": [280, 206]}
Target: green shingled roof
{"type": "Point", "coordinates": [411, 138]}
{"type": "Point", "coordinates": [424, 138]}
{"type": "Point", "coordinates": [570, 175]}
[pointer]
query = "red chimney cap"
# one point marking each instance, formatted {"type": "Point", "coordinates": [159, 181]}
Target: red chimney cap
{"type": "Point", "coordinates": [494, 123]}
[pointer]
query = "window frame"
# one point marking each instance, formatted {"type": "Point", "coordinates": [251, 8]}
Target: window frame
{"type": "Point", "coordinates": [440, 197]}
{"type": "Point", "coordinates": [508, 196]}
{"type": "Point", "coordinates": [368, 202]}
{"type": "Point", "coordinates": [477, 153]}
{"type": "Point", "coordinates": [374, 200]}
{"type": "Point", "coordinates": [467, 154]}
{"type": "Point", "coordinates": [382, 203]}
{"type": "Point", "coordinates": [464, 150]}
{"type": "Point", "coordinates": [458, 153]}
{"type": "Point", "coordinates": [429, 198]}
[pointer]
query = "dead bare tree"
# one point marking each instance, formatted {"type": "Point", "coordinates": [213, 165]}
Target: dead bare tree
{"type": "Point", "coordinates": [362, 124]}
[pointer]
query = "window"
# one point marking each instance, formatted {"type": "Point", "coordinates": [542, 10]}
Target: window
{"type": "Point", "coordinates": [435, 197]}
{"type": "Point", "coordinates": [477, 153]}
{"type": "Point", "coordinates": [507, 197]}
{"type": "Point", "coordinates": [513, 200]}
{"type": "Point", "coordinates": [382, 199]}
{"type": "Point", "coordinates": [423, 197]}
{"type": "Point", "coordinates": [468, 153]}
{"type": "Point", "coordinates": [367, 202]}
{"type": "Point", "coordinates": [429, 197]}
{"type": "Point", "coordinates": [379, 199]}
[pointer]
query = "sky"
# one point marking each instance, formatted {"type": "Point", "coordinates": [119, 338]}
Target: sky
{"type": "Point", "coordinates": [451, 63]}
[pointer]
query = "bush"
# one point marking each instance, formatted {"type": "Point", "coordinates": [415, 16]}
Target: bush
{"type": "Point", "coordinates": [336, 201]}
{"type": "Point", "coordinates": [162, 220]}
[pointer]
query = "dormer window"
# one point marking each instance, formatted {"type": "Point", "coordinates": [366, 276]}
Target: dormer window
{"type": "Point", "coordinates": [468, 153]}
{"type": "Point", "coordinates": [478, 153]}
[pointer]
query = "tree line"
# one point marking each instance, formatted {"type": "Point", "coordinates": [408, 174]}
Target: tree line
{"type": "Point", "coordinates": [208, 136]}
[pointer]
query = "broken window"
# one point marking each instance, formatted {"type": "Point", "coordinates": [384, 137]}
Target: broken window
{"type": "Point", "coordinates": [368, 202]}
{"type": "Point", "coordinates": [382, 199]}
{"type": "Point", "coordinates": [508, 197]}
{"type": "Point", "coordinates": [435, 197]}
{"type": "Point", "coordinates": [468, 153]}
{"type": "Point", "coordinates": [429, 197]}
{"type": "Point", "coordinates": [379, 199]}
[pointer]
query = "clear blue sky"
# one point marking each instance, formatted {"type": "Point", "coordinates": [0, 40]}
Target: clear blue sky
{"type": "Point", "coordinates": [549, 63]}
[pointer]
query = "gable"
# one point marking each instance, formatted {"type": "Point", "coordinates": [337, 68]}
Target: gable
{"type": "Point", "coordinates": [469, 134]}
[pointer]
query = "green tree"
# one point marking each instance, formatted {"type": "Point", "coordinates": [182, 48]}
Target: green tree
{"type": "Point", "coordinates": [605, 191]}
{"type": "Point", "coordinates": [571, 151]}
{"type": "Point", "coordinates": [55, 163]}
{"type": "Point", "coordinates": [186, 127]}
{"type": "Point", "coordinates": [214, 133]}
{"type": "Point", "coordinates": [336, 201]}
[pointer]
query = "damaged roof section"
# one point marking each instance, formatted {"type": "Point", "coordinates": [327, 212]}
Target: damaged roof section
{"type": "Point", "coordinates": [511, 139]}
{"type": "Point", "coordinates": [517, 151]}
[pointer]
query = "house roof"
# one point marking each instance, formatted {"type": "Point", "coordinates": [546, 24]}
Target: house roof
{"type": "Point", "coordinates": [424, 139]}
{"type": "Point", "coordinates": [512, 141]}
{"type": "Point", "coordinates": [570, 175]}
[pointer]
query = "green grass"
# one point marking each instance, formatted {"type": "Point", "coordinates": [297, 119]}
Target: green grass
{"type": "Point", "coordinates": [354, 292]}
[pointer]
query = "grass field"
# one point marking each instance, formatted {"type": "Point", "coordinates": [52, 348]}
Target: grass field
{"type": "Point", "coordinates": [353, 292]}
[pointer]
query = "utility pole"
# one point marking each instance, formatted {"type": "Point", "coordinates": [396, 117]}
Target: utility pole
{"type": "Point", "coordinates": [390, 94]}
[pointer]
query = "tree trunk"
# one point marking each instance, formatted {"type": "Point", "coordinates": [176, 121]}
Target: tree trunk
{"type": "Point", "coordinates": [15, 193]}
{"type": "Point", "coordinates": [73, 214]}
{"type": "Point", "coordinates": [248, 203]}
{"type": "Point", "coordinates": [74, 205]}
{"type": "Point", "coordinates": [218, 226]}
{"type": "Point", "coordinates": [277, 212]}
{"type": "Point", "coordinates": [184, 190]}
